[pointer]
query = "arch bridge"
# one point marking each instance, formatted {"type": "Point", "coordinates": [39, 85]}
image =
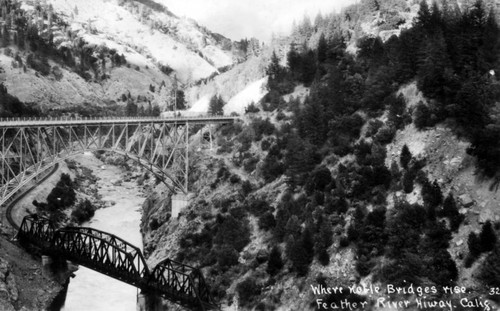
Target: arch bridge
{"type": "Point", "coordinates": [28, 147]}
{"type": "Point", "coordinates": [112, 256]}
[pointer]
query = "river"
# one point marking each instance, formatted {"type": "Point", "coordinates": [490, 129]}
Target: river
{"type": "Point", "coordinates": [90, 290]}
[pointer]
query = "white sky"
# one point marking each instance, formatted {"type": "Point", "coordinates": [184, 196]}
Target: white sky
{"type": "Point", "coordinates": [237, 19]}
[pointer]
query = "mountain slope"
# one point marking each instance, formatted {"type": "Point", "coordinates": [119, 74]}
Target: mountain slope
{"type": "Point", "coordinates": [64, 53]}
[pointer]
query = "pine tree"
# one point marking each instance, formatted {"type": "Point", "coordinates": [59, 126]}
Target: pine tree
{"type": "Point", "coordinates": [216, 106]}
{"type": "Point", "coordinates": [131, 108]}
{"type": "Point", "coordinates": [294, 61]}
{"type": "Point", "coordinates": [275, 263]}
{"type": "Point", "coordinates": [405, 157]}
{"type": "Point", "coordinates": [324, 239]}
{"type": "Point", "coordinates": [314, 126]}
{"type": "Point", "coordinates": [422, 116]}
{"type": "Point", "coordinates": [449, 206]}
{"type": "Point", "coordinates": [181, 100]}
{"type": "Point", "coordinates": [322, 48]}
{"type": "Point", "coordinates": [308, 68]}
{"type": "Point", "coordinates": [274, 70]}
{"type": "Point", "coordinates": [407, 182]}
{"type": "Point", "coordinates": [487, 237]}
{"type": "Point", "coordinates": [434, 67]}
{"type": "Point", "coordinates": [318, 21]}
{"type": "Point", "coordinates": [300, 158]}
{"type": "Point", "coordinates": [431, 194]}
{"type": "Point", "coordinates": [489, 51]}
{"type": "Point", "coordinates": [5, 36]}
{"type": "Point", "coordinates": [306, 28]}
{"type": "Point", "coordinates": [282, 217]}
{"type": "Point", "coordinates": [474, 245]}
{"type": "Point", "coordinates": [423, 16]}
{"type": "Point", "coordinates": [490, 270]}
{"type": "Point", "coordinates": [293, 227]}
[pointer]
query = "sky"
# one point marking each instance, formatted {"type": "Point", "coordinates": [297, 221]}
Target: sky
{"type": "Point", "coordinates": [238, 19]}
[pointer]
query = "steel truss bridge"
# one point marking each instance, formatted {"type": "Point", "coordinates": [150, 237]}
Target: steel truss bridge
{"type": "Point", "coordinates": [28, 147]}
{"type": "Point", "coordinates": [112, 256]}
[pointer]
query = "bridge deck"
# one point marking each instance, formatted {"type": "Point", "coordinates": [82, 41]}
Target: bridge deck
{"type": "Point", "coordinates": [63, 121]}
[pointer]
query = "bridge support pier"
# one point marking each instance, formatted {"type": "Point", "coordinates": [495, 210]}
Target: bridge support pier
{"type": "Point", "coordinates": [149, 302]}
{"type": "Point", "coordinates": [58, 269]}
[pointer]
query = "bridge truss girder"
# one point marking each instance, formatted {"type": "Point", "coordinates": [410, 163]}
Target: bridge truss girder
{"type": "Point", "coordinates": [110, 255]}
{"type": "Point", "coordinates": [28, 151]}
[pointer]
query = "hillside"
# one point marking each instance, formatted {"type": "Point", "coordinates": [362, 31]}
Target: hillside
{"type": "Point", "coordinates": [380, 170]}
{"type": "Point", "coordinates": [62, 54]}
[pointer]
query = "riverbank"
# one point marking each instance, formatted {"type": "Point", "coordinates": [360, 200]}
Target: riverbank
{"type": "Point", "coordinates": [22, 285]}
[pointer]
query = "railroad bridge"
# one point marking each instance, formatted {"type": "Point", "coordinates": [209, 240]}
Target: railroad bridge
{"type": "Point", "coordinates": [28, 147]}
{"type": "Point", "coordinates": [110, 255]}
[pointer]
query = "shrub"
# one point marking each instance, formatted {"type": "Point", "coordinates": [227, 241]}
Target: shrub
{"type": "Point", "coordinates": [40, 64]}
{"type": "Point", "coordinates": [318, 180]}
{"type": "Point", "coordinates": [246, 141]}
{"type": "Point", "coordinates": [272, 168]}
{"type": "Point", "coordinates": [262, 127]}
{"type": "Point", "coordinates": [63, 195]}
{"type": "Point", "coordinates": [227, 257]}
{"type": "Point", "coordinates": [246, 187]}
{"type": "Point", "coordinates": [267, 221]}
{"type": "Point", "coordinates": [234, 179]}
{"type": "Point", "coordinates": [250, 164]}
{"type": "Point", "coordinates": [233, 232]}
{"type": "Point", "coordinates": [344, 241]}
{"type": "Point", "coordinates": [83, 212]}
{"type": "Point", "coordinates": [247, 290]}
{"type": "Point", "coordinates": [373, 127]}
{"type": "Point", "coordinates": [280, 116]}
{"type": "Point", "coordinates": [265, 144]}
{"type": "Point", "coordinates": [385, 134]}
{"type": "Point", "coordinates": [154, 224]}
{"type": "Point", "coordinates": [231, 129]}
{"type": "Point", "coordinates": [431, 194]}
{"type": "Point", "coordinates": [257, 206]}
{"type": "Point", "coordinates": [57, 72]}
{"type": "Point", "coordinates": [223, 173]}
{"type": "Point", "coordinates": [252, 108]}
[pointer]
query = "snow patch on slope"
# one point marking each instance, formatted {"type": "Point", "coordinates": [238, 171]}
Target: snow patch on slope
{"type": "Point", "coordinates": [94, 18]}
{"type": "Point", "coordinates": [252, 93]}
{"type": "Point", "coordinates": [201, 105]}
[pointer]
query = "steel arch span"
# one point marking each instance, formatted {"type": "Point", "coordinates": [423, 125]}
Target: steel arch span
{"type": "Point", "coordinates": [30, 147]}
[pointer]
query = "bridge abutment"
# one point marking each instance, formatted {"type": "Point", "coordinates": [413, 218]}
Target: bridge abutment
{"type": "Point", "coordinates": [57, 268]}
{"type": "Point", "coordinates": [149, 302]}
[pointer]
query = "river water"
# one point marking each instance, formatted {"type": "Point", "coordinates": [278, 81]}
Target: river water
{"type": "Point", "coordinates": [91, 290]}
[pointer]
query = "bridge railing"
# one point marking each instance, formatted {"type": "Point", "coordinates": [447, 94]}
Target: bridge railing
{"type": "Point", "coordinates": [68, 118]}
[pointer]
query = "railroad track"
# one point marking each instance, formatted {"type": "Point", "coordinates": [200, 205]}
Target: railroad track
{"type": "Point", "coordinates": [22, 194]}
